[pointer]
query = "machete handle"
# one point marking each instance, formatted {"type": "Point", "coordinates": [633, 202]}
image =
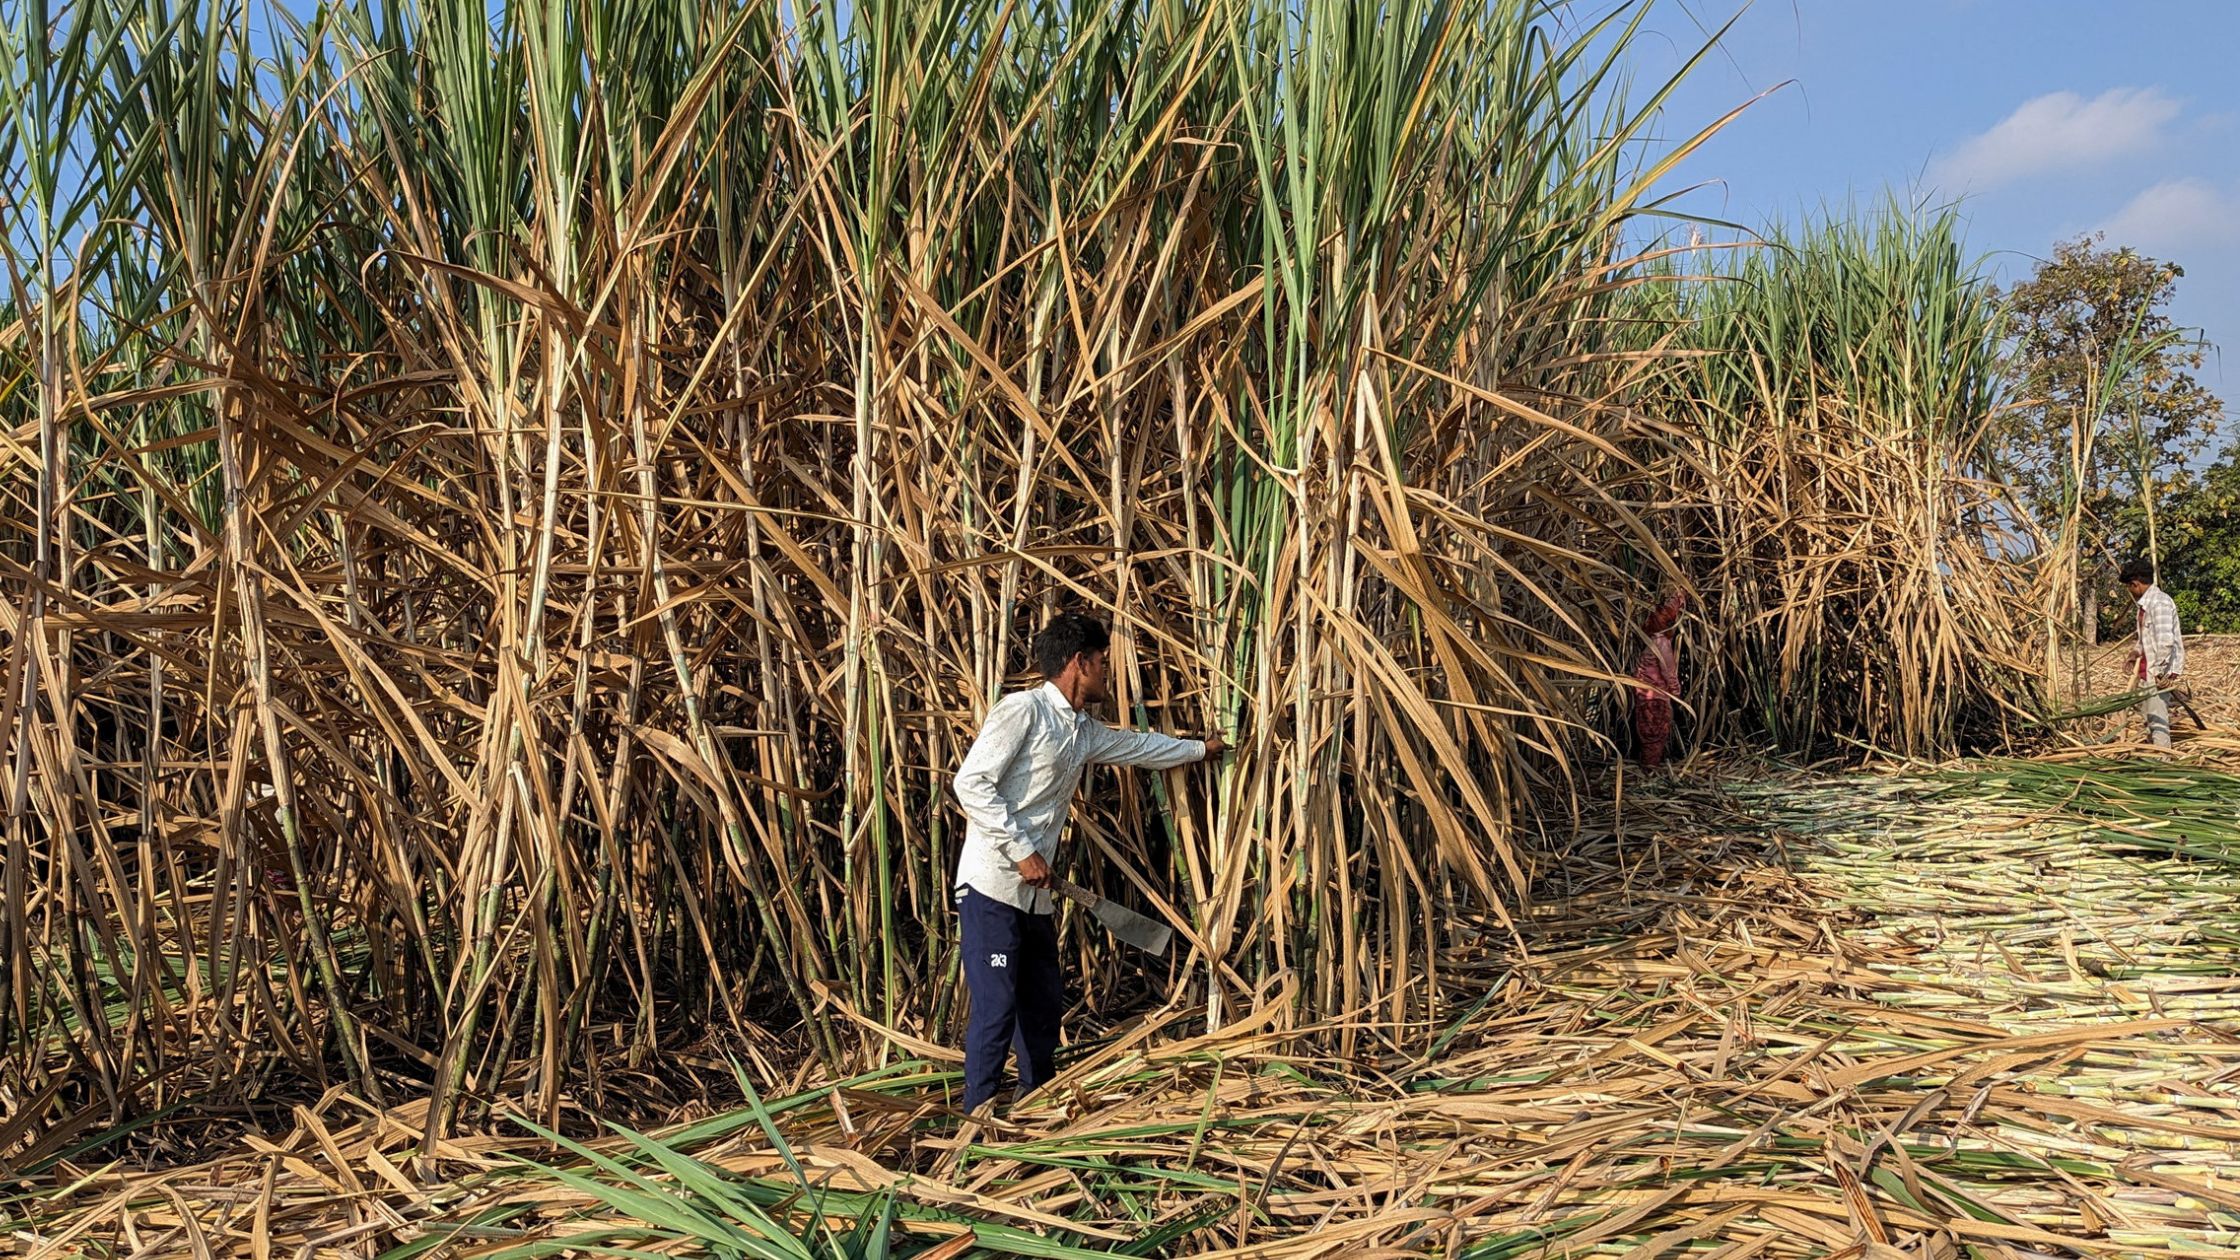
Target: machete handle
{"type": "Point", "coordinates": [1074, 893]}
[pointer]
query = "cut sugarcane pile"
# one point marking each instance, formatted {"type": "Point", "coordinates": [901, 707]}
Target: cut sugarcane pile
{"type": "Point", "coordinates": [1941, 1015]}
{"type": "Point", "coordinates": [2019, 897]}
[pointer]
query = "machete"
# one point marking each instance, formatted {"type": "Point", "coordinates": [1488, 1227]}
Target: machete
{"type": "Point", "coordinates": [1145, 934]}
{"type": "Point", "coordinates": [2185, 701]}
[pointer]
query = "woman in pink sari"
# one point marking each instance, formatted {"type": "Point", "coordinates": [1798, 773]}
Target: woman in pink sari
{"type": "Point", "coordinates": [1658, 674]}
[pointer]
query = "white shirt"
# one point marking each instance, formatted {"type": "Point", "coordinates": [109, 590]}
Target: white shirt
{"type": "Point", "coordinates": [1017, 783]}
{"type": "Point", "coordinates": [2160, 641]}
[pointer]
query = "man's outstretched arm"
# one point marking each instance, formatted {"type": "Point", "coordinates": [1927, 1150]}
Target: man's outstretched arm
{"type": "Point", "coordinates": [1150, 750]}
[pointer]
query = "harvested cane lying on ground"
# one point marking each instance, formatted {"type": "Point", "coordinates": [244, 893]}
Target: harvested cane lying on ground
{"type": "Point", "coordinates": [1961, 1015]}
{"type": "Point", "coordinates": [2102, 706]}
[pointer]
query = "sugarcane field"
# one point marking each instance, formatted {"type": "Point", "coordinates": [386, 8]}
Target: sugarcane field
{"type": "Point", "coordinates": [1291, 629]}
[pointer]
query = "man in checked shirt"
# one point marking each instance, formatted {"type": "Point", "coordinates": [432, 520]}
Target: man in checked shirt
{"type": "Point", "coordinates": [1016, 787]}
{"type": "Point", "coordinates": [2161, 658]}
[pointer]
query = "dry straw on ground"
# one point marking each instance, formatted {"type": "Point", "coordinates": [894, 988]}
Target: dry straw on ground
{"type": "Point", "coordinates": [1920, 1016]}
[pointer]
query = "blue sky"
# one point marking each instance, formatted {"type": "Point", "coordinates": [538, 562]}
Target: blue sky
{"type": "Point", "coordinates": [2046, 118]}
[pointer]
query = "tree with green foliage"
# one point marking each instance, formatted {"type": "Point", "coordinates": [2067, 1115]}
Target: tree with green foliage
{"type": "Point", "coordinates": [2200, 536]}
{"type": "Point", "coordinates": [2109, 416]}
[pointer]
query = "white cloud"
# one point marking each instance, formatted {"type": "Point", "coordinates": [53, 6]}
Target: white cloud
{"type": "Point", "coordinates": [2176, 213]}
{"type": "Point", "coordinates": [2054, 132]}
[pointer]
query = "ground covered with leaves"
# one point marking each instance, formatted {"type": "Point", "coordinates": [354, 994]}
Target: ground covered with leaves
{"type": "Point", "coordinates": [1990, 1011]}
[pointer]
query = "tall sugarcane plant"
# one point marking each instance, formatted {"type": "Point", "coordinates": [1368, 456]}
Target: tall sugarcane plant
{"type": "Point", "coordinates": [542, 495]}
{"type": "Point", "coordinates": [1836, 384]}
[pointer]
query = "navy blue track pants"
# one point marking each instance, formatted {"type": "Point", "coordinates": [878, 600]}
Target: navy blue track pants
{"type": "Point", "coordinates": [1011, 971]}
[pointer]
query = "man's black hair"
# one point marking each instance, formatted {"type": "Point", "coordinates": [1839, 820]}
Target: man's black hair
{"type": "Point", "coordinates": [2138, 571]}
{"type": "Point", "coordinates": [1068, 635]}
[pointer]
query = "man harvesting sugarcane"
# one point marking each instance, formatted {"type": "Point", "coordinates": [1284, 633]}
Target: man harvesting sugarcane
{"type": "Point", "coordinates": [2161, 657]}
{"type": "Point", "coordinates": [1016, 787]}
